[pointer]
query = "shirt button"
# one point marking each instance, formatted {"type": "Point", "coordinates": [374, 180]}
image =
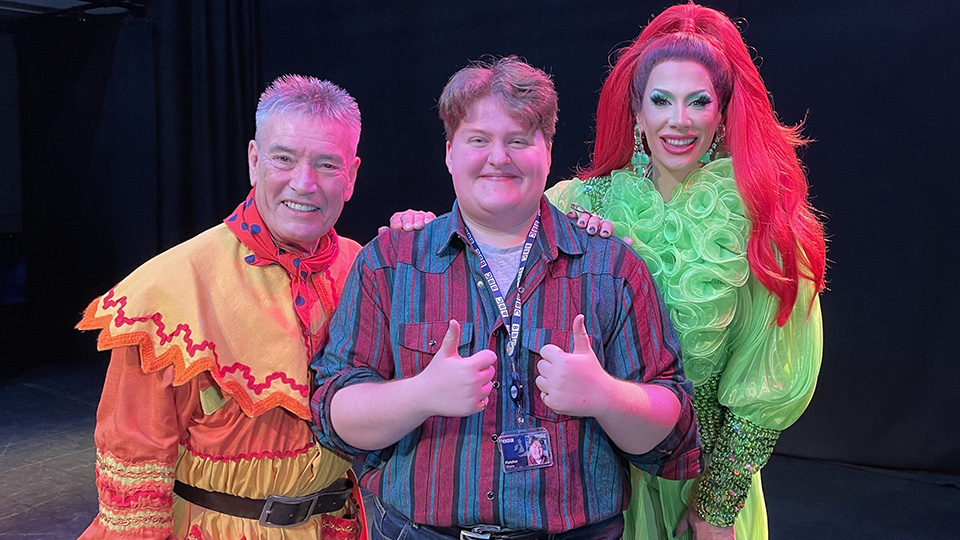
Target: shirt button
{"type": "Point", "coordinates": [480, 284]}
{"type": "Point", "coordinates": [494, 437]}
{"type": "Point", "coordinates": [520, 290]}
{"type": "Point", "coordinates": [489, 495]}
{"type": "Point", "coordinates": [432, 342]}
{"type": "Point", "coordinates": [496, 384]}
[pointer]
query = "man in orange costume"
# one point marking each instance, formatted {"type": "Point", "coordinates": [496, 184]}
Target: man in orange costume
{"type": "Point", "coordinates": [202, 429]}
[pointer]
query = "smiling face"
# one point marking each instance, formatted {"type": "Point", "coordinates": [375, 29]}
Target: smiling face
{"type": "Point", "coordinates": [679, 116]}
{"type": "Point", "coordinates": [499, 167]}
{"type": "Point", "coordinates": [304, 169]}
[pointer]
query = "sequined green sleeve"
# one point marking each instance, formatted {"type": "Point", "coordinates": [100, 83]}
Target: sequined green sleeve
{"type": "Point", "coordinates": [765, 386]}
{"type": "Point", "coordinates": [741, 449]}
{"type": "Point", "coordinates": [772, 371]}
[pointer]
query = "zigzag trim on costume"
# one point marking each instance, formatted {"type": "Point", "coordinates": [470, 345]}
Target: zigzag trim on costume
{"type": "Point", "coordinates": [328, 295]}
{"type": "Point", "coordinates": [304, 390]}
{"type": "Point", "coordinates": [135, 496]}
{"type": "Point", "coordinates": [139, 497]}
{"type": "Point", "coordinates": [174, 356]}
{"type": "Point", "coordinates": [285, 454]}
{"type": "Point", "coordinates": [136, 522]}
{"type": "Point", "coordinates": [340, 527]}
{"type": "Point", "coordinates": [196, 534]}
{"type": "Point", "coordinates": [129, 473]}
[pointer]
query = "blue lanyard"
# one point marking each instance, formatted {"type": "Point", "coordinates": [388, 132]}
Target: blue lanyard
{"type": "Point", "coordinates": [510, 321]}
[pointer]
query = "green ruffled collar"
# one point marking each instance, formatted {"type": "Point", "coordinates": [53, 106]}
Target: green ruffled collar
{"type": "Point", "coordinates": [695, 246]}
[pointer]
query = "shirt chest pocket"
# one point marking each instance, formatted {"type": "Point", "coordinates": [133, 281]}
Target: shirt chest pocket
{"type": "Point", "coordinates": [419, 342]}
{"type": "Point", "coordinates": [533, 340]}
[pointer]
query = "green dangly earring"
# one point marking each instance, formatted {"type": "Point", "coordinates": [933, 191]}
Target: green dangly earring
{"type": "Point", "coordinates": [640, 160]}
{"type": "Point", "coordinates": [712, 152]}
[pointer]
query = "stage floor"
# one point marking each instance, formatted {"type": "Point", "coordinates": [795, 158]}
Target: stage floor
{"type": "Point", "coordinates": [47, 417]}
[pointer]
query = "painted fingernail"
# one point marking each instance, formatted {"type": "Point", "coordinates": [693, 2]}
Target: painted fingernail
{"type": "Point", "coordinates": [592, 229]}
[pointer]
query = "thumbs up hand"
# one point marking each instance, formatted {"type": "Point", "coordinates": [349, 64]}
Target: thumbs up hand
{"type": "Point", "coordinates": [456, 385]}
{"type": "Point", "coordinates": [572, 383]}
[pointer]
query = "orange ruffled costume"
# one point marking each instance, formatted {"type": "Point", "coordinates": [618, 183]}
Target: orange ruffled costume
{"type": "Point", "coordinates": [209, 384]}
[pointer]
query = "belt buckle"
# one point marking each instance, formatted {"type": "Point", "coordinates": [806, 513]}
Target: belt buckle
{"type": "Point", "coordinates": [277, 499]}
{"type": "Point", "coordinates": [480, 532]}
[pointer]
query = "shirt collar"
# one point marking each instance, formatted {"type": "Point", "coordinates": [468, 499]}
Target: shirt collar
{"type": "Point", "coordinates": [557, 232]}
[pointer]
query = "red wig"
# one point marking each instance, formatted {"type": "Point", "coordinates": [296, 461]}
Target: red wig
{"type": "Point", "coordinates": [786, 240]}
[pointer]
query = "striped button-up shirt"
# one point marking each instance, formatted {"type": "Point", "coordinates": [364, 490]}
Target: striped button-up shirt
{"type": "Point", "coordinates": [392, 317]}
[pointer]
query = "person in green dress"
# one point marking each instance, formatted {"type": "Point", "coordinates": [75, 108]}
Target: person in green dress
{"type": "Point", "coordinates": [693, 168]}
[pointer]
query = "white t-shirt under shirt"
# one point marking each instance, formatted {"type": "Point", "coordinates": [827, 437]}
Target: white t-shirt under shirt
{"type": "Point", "coordinates": [504, 263]}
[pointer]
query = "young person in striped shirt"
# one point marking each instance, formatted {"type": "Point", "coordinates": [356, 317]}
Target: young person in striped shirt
{"type": "Point", "coordinates": [501, 327]}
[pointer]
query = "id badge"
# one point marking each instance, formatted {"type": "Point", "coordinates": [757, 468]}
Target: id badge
{"type": "Point", "coordinates": [528, 449]}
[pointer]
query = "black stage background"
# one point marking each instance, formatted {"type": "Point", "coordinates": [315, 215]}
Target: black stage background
{"type": "Point", "coordinates": [133, 130]}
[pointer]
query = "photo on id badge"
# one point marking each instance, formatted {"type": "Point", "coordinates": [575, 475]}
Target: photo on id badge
{"type": "Point", "coordinates": [524, 450]}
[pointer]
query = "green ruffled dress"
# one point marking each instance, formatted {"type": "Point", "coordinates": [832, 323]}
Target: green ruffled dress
{"type": "Point", "coordinates": [751, 378]}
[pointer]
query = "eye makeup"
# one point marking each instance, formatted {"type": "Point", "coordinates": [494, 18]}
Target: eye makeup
{"type": "Point", "coordinates": [701, 99]}
{"type": "Point", "coordinates": [659, 98]}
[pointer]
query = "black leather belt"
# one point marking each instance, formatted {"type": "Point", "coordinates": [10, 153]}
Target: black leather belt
{"type": "Point", "coordinates": [491, 532]}
{"type": "Point", "coordinates": [274, 511]}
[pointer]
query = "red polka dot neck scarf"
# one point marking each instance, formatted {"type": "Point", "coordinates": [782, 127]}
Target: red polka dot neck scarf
{"type": "Point", "coordinates": [245, 222]}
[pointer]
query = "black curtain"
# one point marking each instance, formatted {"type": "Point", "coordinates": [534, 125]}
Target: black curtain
{"type": "Point", "coordinates": [874, 86]}
{"type": "Point", "coordinates": [207, 83]}
{"type": "Point", "coordinates": [72, 213]}
{"type": "Point", "coordinates": [134, 134]}
{"type": "Point", "coordinates": [870, 81]}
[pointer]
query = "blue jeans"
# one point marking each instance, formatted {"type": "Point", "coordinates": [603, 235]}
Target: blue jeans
{"type": "Point", "coordinates": [385, 523]}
